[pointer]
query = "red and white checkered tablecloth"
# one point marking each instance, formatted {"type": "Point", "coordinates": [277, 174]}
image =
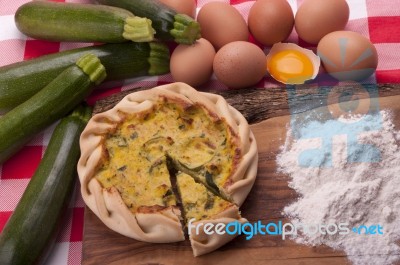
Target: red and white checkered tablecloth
{"type": "Point", "coordinates": [378, 20]}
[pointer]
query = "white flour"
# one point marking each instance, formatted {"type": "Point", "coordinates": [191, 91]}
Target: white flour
{"type": "Point", "coordinates": [354, 193]}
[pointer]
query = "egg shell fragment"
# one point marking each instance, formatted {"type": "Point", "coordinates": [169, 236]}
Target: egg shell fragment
{"type": "Point", "coordinates": [279, 47]}
{"type": "Point", "coordinates": [271, 21]}
{"type": "Point", "coordinates": [221, 24]}
{"type": "Point", "coordinates": [193, 64]}
{"type": "Point", "coordinates": [316, 18]}
{"type": "Point", "coordinates": [348, 55]}
{"type": "Point", "coordinates": [239, 64]}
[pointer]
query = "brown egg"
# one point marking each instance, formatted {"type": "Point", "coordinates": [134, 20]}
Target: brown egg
{"type": "Point", "coordinates": [239, 64]}
{"type": "Point", "coordinates": [347, 55]}
{"type": "Point", "coordinates": [271, 21]}
{"type": "Point", "coordinates": [187, 7]}
{"type": "Point", "coordinates": [193, 64]}
{"type": "Point", "coordinates": [315, 18]}
{"type": "Point", "coordinates": [221, 23]}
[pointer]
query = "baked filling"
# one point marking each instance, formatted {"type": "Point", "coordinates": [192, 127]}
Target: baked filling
{"type": "Point", "coordinates": [198, 202]}
{"type": "Point", "coordinates": [139, 152]}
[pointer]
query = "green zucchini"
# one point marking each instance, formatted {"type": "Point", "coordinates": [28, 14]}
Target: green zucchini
{"type": "Point", "coordinates": [81, 23]}
{"type": "Point", "coordinates": [51, 103]}
{"type": "Point", "coordinates": [31, 230]}
{"type": "Point", "coordinates": [169, 25]}
{"type": "Point", "coordinates": [20, 81]}
{"type": "Point", "coordinates": [206, 179]}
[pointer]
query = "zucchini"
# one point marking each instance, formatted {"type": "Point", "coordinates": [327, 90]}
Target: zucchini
{"type": "Point", "coordinates": [51, 103]}
{"type": "Point", "coordinates": [20, 81]}
{"type": "Point", "coordinates": [31, 230]}
{"type": "Point", "coordinates": [169, 25]}
{"type": "Point", "coordinates": [81, 23]}
{"type": "Point", "coordinates": [207, 180]}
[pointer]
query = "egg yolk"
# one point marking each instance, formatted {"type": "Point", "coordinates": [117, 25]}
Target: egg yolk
{"type": "Point", "coordinates": [290, 67]}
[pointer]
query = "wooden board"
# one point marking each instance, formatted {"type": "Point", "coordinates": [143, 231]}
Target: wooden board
{"type": "Point", "coordinates": [267, 199]}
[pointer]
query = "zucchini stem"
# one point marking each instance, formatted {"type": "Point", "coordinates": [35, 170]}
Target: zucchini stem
{"type": "Point", "coordinates": [92, 66]}
{"type": "Point", "coordinates": [186, 30]}
{"type": "Point", "coordinates": [83, 112]}
{"type": "Point", "coordinates": [158, 59]}
{"type": "Point", "coordinates": [138, 29]}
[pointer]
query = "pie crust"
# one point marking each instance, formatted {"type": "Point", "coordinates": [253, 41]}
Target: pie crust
{"type": "Point", "coordinates": [164, 225]}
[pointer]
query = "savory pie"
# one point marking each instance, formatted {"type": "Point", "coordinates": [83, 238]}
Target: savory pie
{"type": "Point", "coordinates": [131, 156]}
{"type": "Point", "coordinates": [198, 202]}
{"type": "Point", "coordinates": [200, 205]}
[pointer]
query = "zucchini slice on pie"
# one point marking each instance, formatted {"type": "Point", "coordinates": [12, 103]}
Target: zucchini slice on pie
{"type": "Point", "coordinates": [198, 202]}
{"type": "Point", "coordinates": [126, 152]}
{"type": "Point", "coordinates": [200, 207]}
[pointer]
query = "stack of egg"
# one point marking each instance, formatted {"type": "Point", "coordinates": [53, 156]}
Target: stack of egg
{"type": "Point", "coordinates": [225, 50]}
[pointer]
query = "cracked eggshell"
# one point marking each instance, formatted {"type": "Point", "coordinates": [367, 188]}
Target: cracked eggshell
{"type": "Point", "coordinates": [279, 47]}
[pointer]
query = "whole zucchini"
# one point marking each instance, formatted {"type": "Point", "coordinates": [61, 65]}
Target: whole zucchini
{"type": "Point", "coordinates": [20, 81]}
{"type": "Point", "coordinates": [81, 23]}
{"type": "Point", "coordinates": [51, 103]}
{"type": "Point", "coordinates": [169, 25]}
{"type": "Point", "coordinates": [31, 230]}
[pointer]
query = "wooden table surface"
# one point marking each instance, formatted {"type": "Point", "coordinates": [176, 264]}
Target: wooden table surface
{"type": "Point", "coordinates": [265, 202]}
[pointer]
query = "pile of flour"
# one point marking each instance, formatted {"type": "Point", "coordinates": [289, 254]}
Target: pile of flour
{"type": "Point", "coordinates": [363, 193]}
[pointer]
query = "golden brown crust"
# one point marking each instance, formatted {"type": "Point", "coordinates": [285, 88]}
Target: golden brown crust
{"type": "Point", "coordinates": [157, 224]}
{"type": "Point", "coordinates": [203, 243]}
{"type": "Point", "coordinates": [154, 208]}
